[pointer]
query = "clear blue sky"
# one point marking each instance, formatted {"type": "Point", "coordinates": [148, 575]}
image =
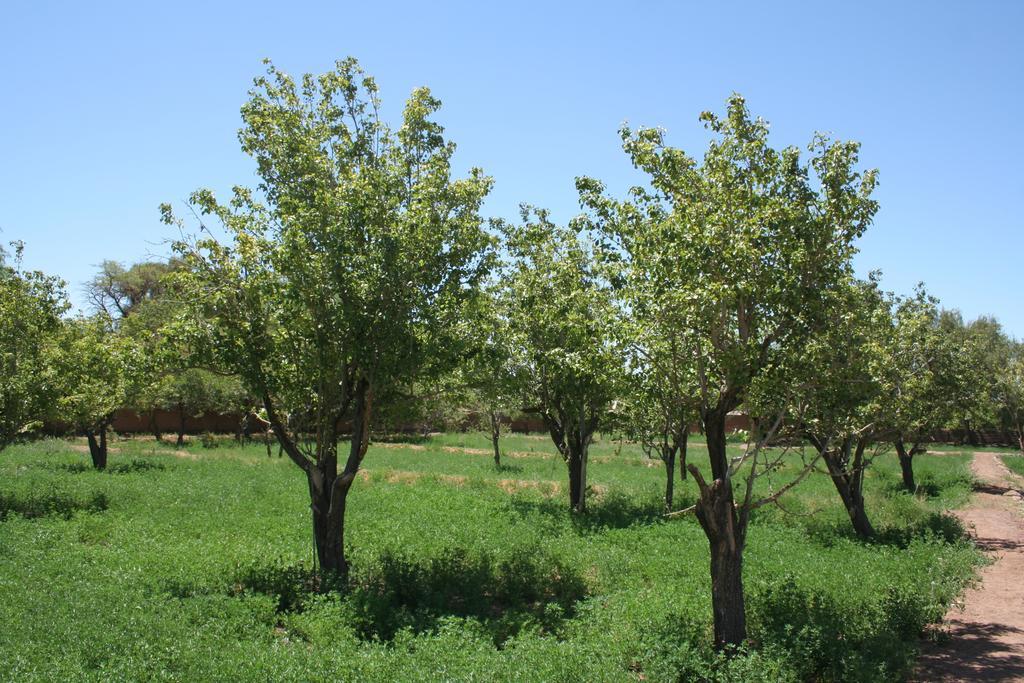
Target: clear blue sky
{"type": "Point", "coordinates": [110, 109]}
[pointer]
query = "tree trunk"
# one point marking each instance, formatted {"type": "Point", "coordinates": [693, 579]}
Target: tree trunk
{"type": "Point", "coordinates": [98, 449]}
{"type": "Point", "coordinates": [573, 445]}
{"type": "Point", "coordinates": [1020, 438]}
{"type": "Point", "coordinates": [726, 536]}
{"type": "Point", "coordinates": [727, 601]}
{"type": "Point", "coordinates": [859, 519]}
{"type": "Point", "coordinates": [577, 481]}
{"type": "Point", "coordinates": [328, 496]}
{"type": "Point", "coordinates": [495, 435]}
{"type": "Point", "coordinates": [848, 484]}
{"type": "Point", "coordinates": [670, 478]}
{"type": "Point", "coordinates": [682, 452]}
{"type": "Point", "coordinates": [972, 435]}
{"type": "Point", "coordinates": [328, 490]}
{"type": "Point", "coordinates": [155, 426]}
{"type": "Point", "coordinates": [181, 426]}
{"type": "Point", "coordinates": [906, 465]}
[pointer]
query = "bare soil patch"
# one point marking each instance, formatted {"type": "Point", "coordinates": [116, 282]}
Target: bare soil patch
{"type": "Point", "coordinates": [408, 477]}
{"type": "Point", "coordinates": [986, 635]}
{"type": "Point", "coordinates": [84, 448]}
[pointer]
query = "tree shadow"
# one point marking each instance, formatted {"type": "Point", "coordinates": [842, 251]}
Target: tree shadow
{"type": "Point", "coordinates": [995, 489]}
{"type": "Point", "coordinates": [971, 651]}
{"type": "Point", "coordinates": [929, 485]}
{"type": "Point", "coordinates": [826, 640]}
{"type": "Point", "coordinates": [505, 595]}
{"type": "Point", "coordinates": [611, 511]}
{"type": "Point", "coordinates": [399, 437]}
{"type": "Point", "coordinates": [936, 525]}
{"type": "Point", "coordinates": [130, 467]}
{"type": "Point", "coordinates": [50, 504]}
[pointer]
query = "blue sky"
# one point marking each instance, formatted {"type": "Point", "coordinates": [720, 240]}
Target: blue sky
{"type": "Point", "coordinates": [110, 109]}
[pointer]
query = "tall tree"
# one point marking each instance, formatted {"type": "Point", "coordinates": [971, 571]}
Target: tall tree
{"type": "Point", "coordinates": [351, 275]}
{"type": "Point", "coordinates": [31, 306]}
{"type": "Point", "coordinates": [194, 392]}
{"type": "Point", "coordinates": [489, 375]}
{"type": "Point", "coordinates": [117, 291]}
{"type": "Point", "coordinates": [925, 383]}
{"type": "Point", "coordinates": [838, 410]}
{"type": "Point", "coordinates": [983, 351]}
{"type": "Point", "coordinates": [750, 243]}
{"type": "Point", "coordinates": [1009, 382]}
{"type": "Point", "coordinates": [559, 319]}
{"type": "Point", "coordinates": [97, 369]}
{"type": "Point", "coordinates": [658, 403]}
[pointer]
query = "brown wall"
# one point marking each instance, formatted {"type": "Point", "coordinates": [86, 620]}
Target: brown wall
{"type": "Point", "coordinates": [169, 421]}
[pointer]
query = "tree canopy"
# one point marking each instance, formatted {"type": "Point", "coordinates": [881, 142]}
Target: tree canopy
{"type": "Point", "coordinates": [744, 252]}
{"type": "Point", "coordinates": [31, 306]}
{"type": "Point", "coordinates": [559, 329]}
{"type": "Point", "coordinates": [345, 272]}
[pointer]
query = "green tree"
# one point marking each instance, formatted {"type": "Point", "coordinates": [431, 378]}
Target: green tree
{"type": "Point", "coordinates": [839, 406]}
{"type": "Point", "coordinates": [752, 242]}
{"type": "Point", "coordinates": [97, 369]}
{"type": "Point", "coordinates": [348, 278]}
{"type": "Point", "coordinates": [982, 352]}
{"type": "Point", "coordinates": [117, 292]}
{"type": "Point", "coordinates": [658, 401]}
{"type": "Point", "coordinates": [194, 392]}
{"type": "Point", "coordinates": [559, 319]}
{"type": "Point", "coordinates": [31, 306]}
{"type": "Point", "coordinates": [925, 382]}
{"type": "Point", "coordinates": [660, 396]}
{"type": "Point", "coordinates": [146, 311]}
{"type": "Point", "coordinates": [488, 376]}
{"type": "Point", "coordinates": [1009, 386]}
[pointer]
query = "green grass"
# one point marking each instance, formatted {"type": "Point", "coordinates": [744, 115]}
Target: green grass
{"type": "Point", "coordinates": [966, 448]}
{"type": "Point", "coordinates": [170, 567]}
{"type": "Point", "coordinates": [1015, 463]}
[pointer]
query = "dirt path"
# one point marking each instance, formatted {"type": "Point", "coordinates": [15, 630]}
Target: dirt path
{"type": "Point", "coordinates": [986, 637]}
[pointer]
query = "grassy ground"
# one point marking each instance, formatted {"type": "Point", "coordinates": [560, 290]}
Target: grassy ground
{"type": "Point", "coordinates": [1015, 462]}
{"type": "Point", "coordinates": [966, 448]}
{"type": "Point", "coordinates": [194, 564]}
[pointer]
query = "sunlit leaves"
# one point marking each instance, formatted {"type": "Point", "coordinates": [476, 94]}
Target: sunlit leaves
{"type": "Point", "coordinates": [354, 257]}
{"type": "Point", "coordinates": [31, 304]}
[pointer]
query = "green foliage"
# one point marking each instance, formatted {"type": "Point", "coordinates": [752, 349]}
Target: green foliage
{"type": "Point", "coordinates": [927, 386]}
{"type": "Point", "coordinates": [31, 304]}
{"type": "Point", "coordinates": [831, 637]}
{"type": "Point", "coordinates": [98, 369]}
{"type": "Point", "coordinates": [33, 504]}
{"type": "Point", "coordinates": [361, 260]}
{"type": "Point", "coordinates": [559, 327]}
{"type": "Point", "coordinates": [1015, 463]}
{"type": "Point", "coordinates": [195, 391]}
{"type": "Point", "coordinates": [349, 281]}
{"type": "Point", "coordinates": [841, 378]}
{"type": "Point", "coordinates": [735, 257]}
{"type": "Point", "coordinates": [138, 303]}
{"type": "Point", "coordinates": [476, 583]}
{"type": "Point", "coordinates": [489, 376]}
{"type": "Point", "coordinates": [117, 292]}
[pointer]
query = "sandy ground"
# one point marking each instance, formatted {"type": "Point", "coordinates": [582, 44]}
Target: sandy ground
{"type": "Point", "coordinates": [986, 636]}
